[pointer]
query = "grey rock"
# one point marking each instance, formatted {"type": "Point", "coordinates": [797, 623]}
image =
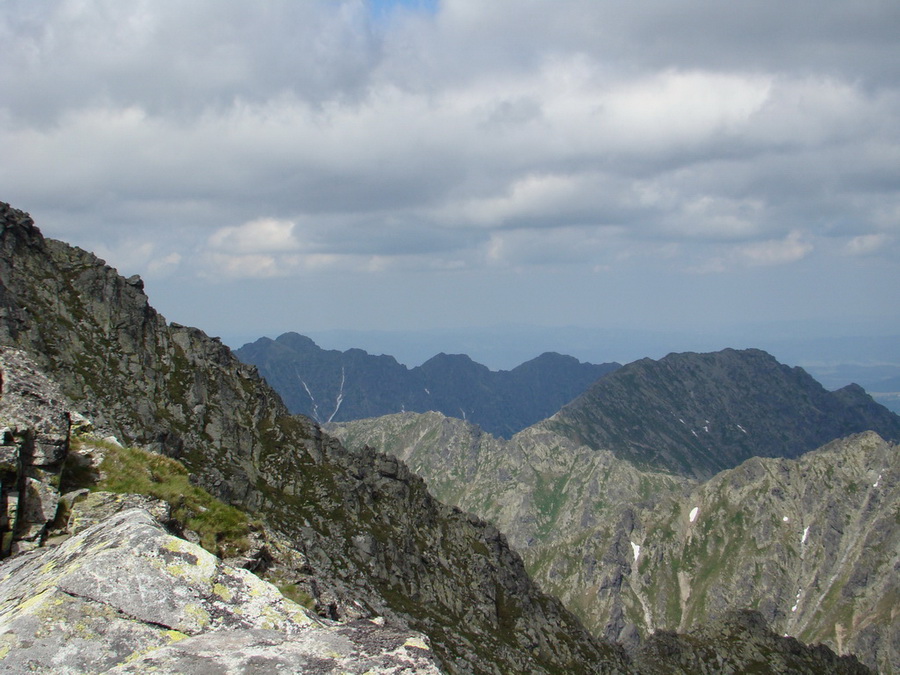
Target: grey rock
{"type": "Point", "coordinates": [125, 593]}
{"type": "Point", "coordinates": [33, 445]}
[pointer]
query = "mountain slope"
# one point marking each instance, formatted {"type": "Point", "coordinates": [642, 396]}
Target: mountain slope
{"type": "Point", "coordinates": [624, 548]}
{"type": "Point", "coordinates": [372, 535]}
{"type": "Point", "coordinates": [697, 414]}
{"type": "Point", "coordinates": [329, 385]}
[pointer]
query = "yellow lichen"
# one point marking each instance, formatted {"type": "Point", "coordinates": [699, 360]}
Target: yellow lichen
{"type": "Point", "coordinates": [223, 592]}
{"type": "Point", "coordinates": [176, 636]}
{"type": "Point", "coordinates": [199, 615]}
{"type": "Point", "coordinates": [416, 642]}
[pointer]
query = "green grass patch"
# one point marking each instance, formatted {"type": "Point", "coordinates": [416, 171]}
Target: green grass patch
{"type": "Point", "coordinates": [293, 592]}
{"type": "Point", "coordinates": [222, 529]}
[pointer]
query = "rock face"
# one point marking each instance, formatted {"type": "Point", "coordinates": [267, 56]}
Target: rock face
{"type": "Point", "coordinates": [124, 596]}
{"type": "Point", "coordinates": [330, 385]}
{"type": "Point", "coordinates": [813, 544]}
{"type": "Point", "coordinates": [375, 541]}
{"type": "Point", "coordinates": [34, 433]}
{"type": "Point", "coordinates": [697, 414]}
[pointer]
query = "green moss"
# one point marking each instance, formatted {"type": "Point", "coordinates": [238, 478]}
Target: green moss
{"type": "Point", "coordinates": [293, 592]}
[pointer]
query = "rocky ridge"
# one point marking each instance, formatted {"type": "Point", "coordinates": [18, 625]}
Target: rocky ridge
{"type": "Point", "coordinates": [124, 596]}
{"type": "Point", "coordinates": [698, 414]}
{"type": "Point", "coordinates": [627, 551]}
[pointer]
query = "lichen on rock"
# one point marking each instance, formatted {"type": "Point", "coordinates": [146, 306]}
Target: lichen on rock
{"type": "Point", "coordinates": [126, 593]}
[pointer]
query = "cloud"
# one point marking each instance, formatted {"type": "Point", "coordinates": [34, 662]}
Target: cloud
{"type": "Point", "coordinates": [769, 253]}
{"type": "Point", "coordinates": [263, 235]}
{"type": "Point", "coordinates": [867, 244]}
{"type": "Point", "coordinates": [455, 136]}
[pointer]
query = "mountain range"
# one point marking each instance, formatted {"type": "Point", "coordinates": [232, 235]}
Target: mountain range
{"type": "Point", "coordinates": [335, 386]}
{"type": "Point", "coordinates": [386, 570]}
{"type": "Point", "coordinates": [700, 491]}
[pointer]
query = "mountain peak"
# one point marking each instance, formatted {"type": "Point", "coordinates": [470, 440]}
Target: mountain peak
{"type": "Point", "coordinates": [697, 414]}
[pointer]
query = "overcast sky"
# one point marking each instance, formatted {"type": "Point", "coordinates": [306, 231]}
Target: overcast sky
{"type": "Point", "coordinates": [299, 165]}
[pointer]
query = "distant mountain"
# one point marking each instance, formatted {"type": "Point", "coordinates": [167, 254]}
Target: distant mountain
{"type": "Point", "coordinates": [335, 386]}
{"type": "Point", "coordinates": [697, 414]}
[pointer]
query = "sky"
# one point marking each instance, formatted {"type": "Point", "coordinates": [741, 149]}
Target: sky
{"type": "Point", "coordinates": [505, 175]}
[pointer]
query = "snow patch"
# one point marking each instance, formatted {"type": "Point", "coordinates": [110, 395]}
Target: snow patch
{"type": "Point", "coordinates": [340, 396]}
{"type": "Point", "coordinates": [805, 533]}
{"type": "Point", "coordinates": [876, 483]}
{"type": "Point", "coordinates": [797, 600]}
{"type": "Point", "coordinates": [694, 512]}
{"type": "Point", "coordinates": [785, 519]}
{"type": "Point", "coordinates": [694, 432]}
{"type": "Point", "coordinates": [741, 428]}
{"type": "Point", "coordinates": [427, 392]}
{"type": "Point", "coordinates": [637, 550]}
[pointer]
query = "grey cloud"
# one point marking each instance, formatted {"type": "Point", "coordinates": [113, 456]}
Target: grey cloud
{"type": "Point", "coordinates": [177, 58]}
{"type": "Point", "coordinates": [442, 135]}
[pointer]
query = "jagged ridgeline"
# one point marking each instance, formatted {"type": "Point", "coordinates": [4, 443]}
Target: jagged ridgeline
{"type": "Point", "coordinates": [373, 539]}
{"type": "Point", "coordinates": [334, 386]}
{"type": "Point", "coordinates": [698, 414]}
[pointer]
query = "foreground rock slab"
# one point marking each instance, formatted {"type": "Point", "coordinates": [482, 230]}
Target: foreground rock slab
{"type": "Point", "coordinates": [124, 596]}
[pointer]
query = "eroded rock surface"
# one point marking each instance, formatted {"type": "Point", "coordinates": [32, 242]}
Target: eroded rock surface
{"type": "Point", "coordinates": [34, 439]}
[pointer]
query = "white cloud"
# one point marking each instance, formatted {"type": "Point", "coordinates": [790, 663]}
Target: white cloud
{"type": "Point", "coordinates": [867, 244]}
{"type": "Point", "coordinates": [776, 252]}
{"type": "Point", "coordinates": [264, 235]}
{"type": "Point", "coordinates": [768, 253]}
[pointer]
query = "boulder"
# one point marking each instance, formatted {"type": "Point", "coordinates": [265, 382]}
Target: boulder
{"type": "Point", "coordinates": [124, 596]}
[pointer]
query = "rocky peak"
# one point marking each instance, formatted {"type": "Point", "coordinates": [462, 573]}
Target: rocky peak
{"type": "Point", "coordinates": [697, 414]}
{"type": "Point", "coordinates": [34, 433]}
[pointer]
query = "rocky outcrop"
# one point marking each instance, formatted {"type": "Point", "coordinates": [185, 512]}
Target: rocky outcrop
{"type": "Point", "coordinates": [698, 414]}
{"type": "Point", "coordinates": [34, 436]}
{"type": "Point", "coordinates": [123, 596]}
{"type": "Point", "coordinates": [334, 386]}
